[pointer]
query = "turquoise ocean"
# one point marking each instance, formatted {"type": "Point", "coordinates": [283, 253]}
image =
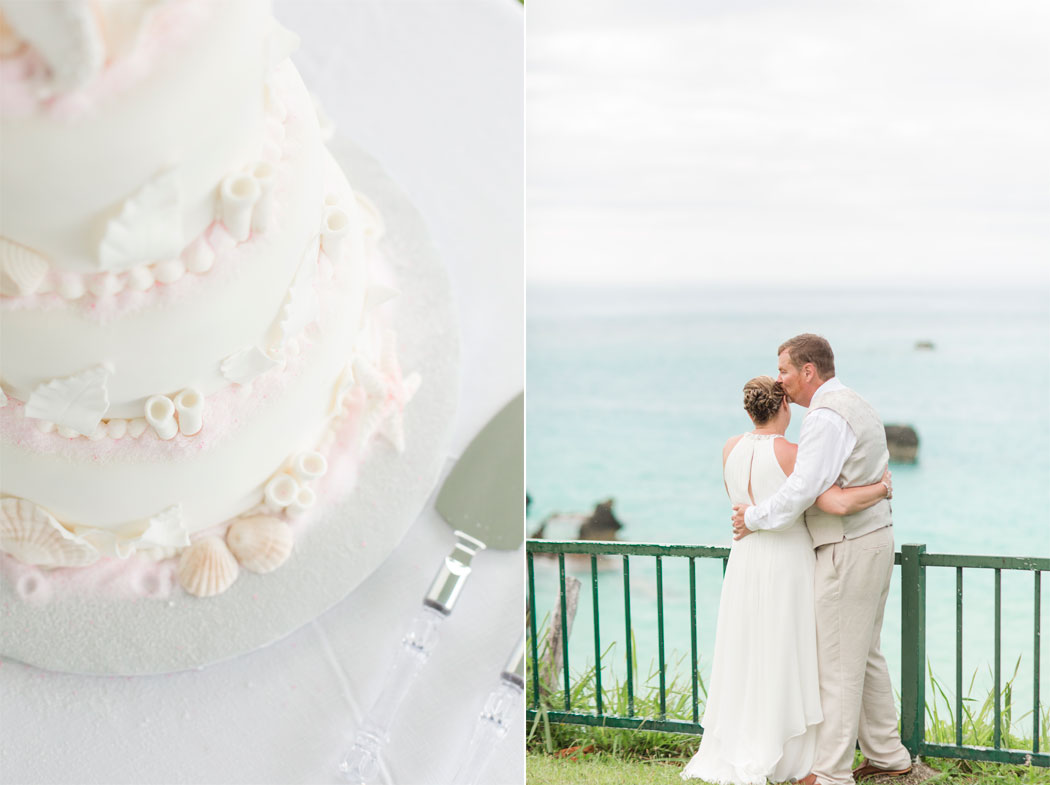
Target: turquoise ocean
{"type": "Point", "coordinates": [633, 392]}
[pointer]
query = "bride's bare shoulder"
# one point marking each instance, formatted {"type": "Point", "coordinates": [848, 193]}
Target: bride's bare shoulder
{"type": "Point", "coordinates": [786, 453]}
{"type": "Point", "coordinates": [729, 445]}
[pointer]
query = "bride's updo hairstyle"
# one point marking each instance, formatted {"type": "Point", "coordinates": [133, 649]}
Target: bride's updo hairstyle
{"type": "Point", "coordinates": [763, 397]}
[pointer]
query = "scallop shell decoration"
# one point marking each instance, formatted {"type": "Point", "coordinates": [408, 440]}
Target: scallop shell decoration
{"type": "Point", "coordinates": [260, 543]}
{"type": "Point", "coordinates": [207, 568]}
{"type": "Point", "coordinates": [33, 536]}
{"type": "Point", "coordinates": [22, 270]}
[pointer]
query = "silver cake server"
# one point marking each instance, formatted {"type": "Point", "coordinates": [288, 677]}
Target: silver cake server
{"type": "Point", "coordinates": [483, 500]}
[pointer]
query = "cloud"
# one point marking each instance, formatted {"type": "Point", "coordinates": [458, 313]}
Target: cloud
{"type": "Point", "coordinates": [903, 136]}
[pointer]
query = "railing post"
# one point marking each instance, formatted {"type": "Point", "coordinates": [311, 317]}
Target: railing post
{"type": "Point", "coordinates": [913, 647]}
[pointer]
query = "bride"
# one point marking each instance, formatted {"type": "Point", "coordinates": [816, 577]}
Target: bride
{"type": "Point", "coordinates": [763, 704]}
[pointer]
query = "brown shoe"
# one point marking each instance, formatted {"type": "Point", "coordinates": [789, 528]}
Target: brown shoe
{"type": "Point", "coordinates": [866, 770]}
{"type": "Point", "coordinates": [809, 779]}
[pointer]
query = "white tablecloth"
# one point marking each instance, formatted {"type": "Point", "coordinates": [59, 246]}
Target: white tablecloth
{"type": "Point", "coordinates": [434, 91]}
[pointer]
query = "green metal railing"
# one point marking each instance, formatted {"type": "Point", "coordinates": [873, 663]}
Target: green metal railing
{"type": "Point", "coordinates": [913, 561]}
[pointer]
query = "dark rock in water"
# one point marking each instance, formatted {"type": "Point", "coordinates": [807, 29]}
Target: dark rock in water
{"type": "Point", "coordinates": [602, 524]}
{"type": "Point", "coordinates": [903, 443]}
{"type": "Point", "coordinates": [924, 346]}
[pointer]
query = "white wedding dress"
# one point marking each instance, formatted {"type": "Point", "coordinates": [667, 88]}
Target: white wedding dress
{"type": "Point", "coordinates": [763, 701]}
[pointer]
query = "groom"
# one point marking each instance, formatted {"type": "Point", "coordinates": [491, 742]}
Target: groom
{"type": "Point", "coordinates": [842, 442]}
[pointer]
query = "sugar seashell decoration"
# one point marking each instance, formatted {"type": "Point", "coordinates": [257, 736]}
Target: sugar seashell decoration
{"type": "Point", "coordinates": [207, 568]}
{"type": "Point", "coordinates": [33, 536]}
{"type": "Point", "coordinates": [189, 404]}
{"type": "Point", "coordinates": [245, 366]}
{"type": "Point", "coordinates": [335, 227]}
{"type": "Point", "coordinates": [22, 270]}
{"type": "Point", "coordinates": [238, 194]}
{"type": "Point", "coordinates": [65, 33]}
{"type": "Point", "coordinates": [149, 226]}
{"type": "Point", "coordinates": [160, 414]}
{"type": "Point", "coordinates": [260, 543]}
{"type": "Point", "coordinates": [76, 402]}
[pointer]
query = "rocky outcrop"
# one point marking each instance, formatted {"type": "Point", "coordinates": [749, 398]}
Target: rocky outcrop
{"type": "Point", "coordinates": [903, 443]}
{"type": "Point", "coordinates": [602, 524]}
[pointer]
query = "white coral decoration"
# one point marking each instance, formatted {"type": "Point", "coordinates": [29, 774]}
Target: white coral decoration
{"type": "Point", "coordinates": [65, 33]}
{"type": "Point", "coordinates": [190, 407]}
{"type": "Point", "coordinates": [160, 414]}
{"type": "Point", "coordinates": [335, 229]}
{"type": "Point", "coordinates": [22, 270]}
{"type": "Point", "coordinates": [77, 402]}
{"type": "Point", "coordinates": [33, 536]}
{"type": "Point", "coordinates": [265, 176]}
{"type": "Point", "coordinates": [237, 195]}
{"type": "Point", "coordinates": [245, 366]}
{"type": "Point", "coordinates": [387, 393]}
{"type": "Point", "coordinates": [149, 226]}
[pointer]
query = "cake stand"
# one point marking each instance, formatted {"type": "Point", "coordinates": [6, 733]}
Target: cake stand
{"type": "Point", "coordinates": [346, 542]}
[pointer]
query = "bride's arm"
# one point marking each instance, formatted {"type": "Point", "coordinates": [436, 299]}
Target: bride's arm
{"type": "Point", "coordinates": [846, 501]}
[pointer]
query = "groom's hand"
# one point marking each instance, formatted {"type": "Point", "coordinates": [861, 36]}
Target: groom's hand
{"type": "Point", "coordinates": [739, 529]}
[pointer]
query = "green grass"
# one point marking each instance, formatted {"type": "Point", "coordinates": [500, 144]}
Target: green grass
{"type": "Point", "coordinates": [601, 768]}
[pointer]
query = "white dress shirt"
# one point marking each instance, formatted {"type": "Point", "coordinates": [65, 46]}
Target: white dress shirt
{"type": "Point", "coordinates": [824, 444]}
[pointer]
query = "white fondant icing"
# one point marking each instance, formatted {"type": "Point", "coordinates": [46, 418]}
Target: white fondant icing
{"type": "Point", "coordinates": [190, 407]}
{"type": "Point", "coordinates": [164, 112]}
{"type": "Point", "coordinates": [280, 44]}
{"type": "Point", "coordinates": [140, 277]}
{"type": "Point", "coordinates": [246, 365]}
{"type": "Point", "coordinates": [71, 287]}
{"type": "Point", "coordinates": [116, 429]}
{"type": "Point", "coordinates": [105, 284]}
{"type": "Point", "coordinates": [148, 226]}
{"type": "Point", "coordinates": [160, 414]}
{"type": "Point", "coordinates": [76, 402]}
{"type": "Point", "coordinates": [302, 305]}
{"type": "Point", "coordinates": [237, 196]}
{"type": "Point", "coordinates": [199, 256]}
{"type": "Point", "coordinates": [169, 271]}
{"type": "Point", "coordinates": [22, 270]}
{"type": "Point", "coordinates": [378, 294]}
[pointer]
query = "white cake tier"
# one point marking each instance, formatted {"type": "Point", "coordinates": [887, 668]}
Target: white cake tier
{"type": "Point", "coordinates": [150, 137]}
{"type": "Point", "coordinates": [170, 337]}
{"type": "Point", "coordinates": [250, 432]}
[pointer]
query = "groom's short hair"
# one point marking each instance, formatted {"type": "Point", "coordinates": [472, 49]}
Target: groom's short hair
{"type": "Point", "coordinates": [810, 348]}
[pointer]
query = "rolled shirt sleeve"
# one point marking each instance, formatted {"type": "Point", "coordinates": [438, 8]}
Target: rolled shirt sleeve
{"type": "Point", "coordinates": [824, 444]}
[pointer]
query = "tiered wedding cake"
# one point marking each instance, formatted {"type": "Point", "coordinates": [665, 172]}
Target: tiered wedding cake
{"type": "Point", "coordinates": [189, 327]}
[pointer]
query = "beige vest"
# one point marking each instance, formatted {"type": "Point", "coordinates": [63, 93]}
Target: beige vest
{"type": "Point", "coordinates": [864, 466]}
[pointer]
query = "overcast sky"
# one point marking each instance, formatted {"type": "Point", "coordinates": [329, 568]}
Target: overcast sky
{"type": "Point", "coordinates": [788, 140]}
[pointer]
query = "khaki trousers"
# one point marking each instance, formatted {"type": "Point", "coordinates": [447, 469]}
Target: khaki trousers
{"type": "Point", "coordinates": [852, 580]}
